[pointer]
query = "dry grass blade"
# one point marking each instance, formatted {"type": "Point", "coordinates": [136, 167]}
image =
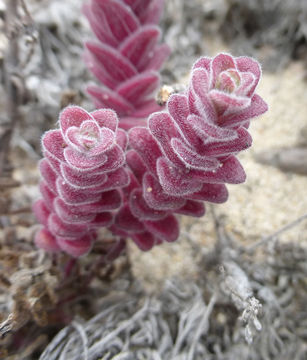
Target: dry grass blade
{"type": "Point", "coordinates": [276, 233]}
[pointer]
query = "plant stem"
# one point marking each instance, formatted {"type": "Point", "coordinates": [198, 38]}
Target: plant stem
{"type": "Point", "coordinates": [11, 62]}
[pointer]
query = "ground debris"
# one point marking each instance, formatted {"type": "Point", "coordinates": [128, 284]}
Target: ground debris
{"type": "Point", "coordinates": [292, 160]}
{"type": "Point", "coordinates": [273, 31]}
{"type": "Point", "coordinates": [239, 307]}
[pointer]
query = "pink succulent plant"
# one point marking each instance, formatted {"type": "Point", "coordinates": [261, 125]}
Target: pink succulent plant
{"type": "Point", "coordinates": [187, 154]}
{"type": "Point", "coordinates": [181, 158]}
{"type": "Point", "coordinates": [126, 56]}
{"type": "Point", "coordinates": [82, 176]}
{"type": "Point", "coordinates": [184, 157]}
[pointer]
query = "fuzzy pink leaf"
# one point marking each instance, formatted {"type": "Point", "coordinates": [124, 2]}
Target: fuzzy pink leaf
{"type": "Point", "coordinates": [81, 161]}
{"type": "Point", "coordinates": [156, 58]}
{"type": "Point", "coordinates": [73, 196]}
{"type": "Point", "coordinates": [48, 174]}
{"type": "Point", "coordinates": [155, 196]}
{"type": "Point", "coordinates": [109, 98]}
{"type": "Point", "coordinates": [145, 240]}
{"type": "Point", "coordinates": [108, 200]}
{"type": "Point", "coordinates": [247, 64]}
{"type": "Point", "coordinates": [166, 229]}
{"type": "Point", "coordinates": [163, 128]}
{"type": "Point", "coordinates": [152, 13]}
{"type": "Point", "coordinates": [199, 95]}
{"type": "Point", "coordinates": [54, 144]}
{"type": "Point", "coordinates": [125, 220]}
{"type": "Point", "coordinates": [121, 19]}
{"type": "Point", "coordinates": [59, 228]}
{"type": "Point", "coordinates": [137, 46]}
{"type": "Point", "coordinates": [138, 87]}
{"type": "Point", "coordinates": [41, 211]}
{"type": "Point", "coordinates": [229, 102]}
{"type": "Point", "coordinates": [174, 181]}
{"type": "Point", "coordinates": [136, 164]}
{"type": "Point", "coordinates": [104, 219]}
{"type": "Point", "coordinates": [147, 107]}
{"type": "Point", "coordinates": [231, 172]}
{"type": "Point", "coordinates": [67, 214]}
{"type": "Point", "coordinates": [128, 122]}
{"type": "Point", "coordinates": [99, 25]}
{"type": "Point", "coordinates": [140, 208]}
{"type": "Point", "coordinates": [82, 179]}
{"type": "Point", "coordinates": [122, 139]}
{"type": "Point", "coordinates": [256, 108]}
{"type": "Point", "coordinates": [127, 49]}
{"type": "Point", "coordinates": [202, 63]}
{"type": "Point", "coordinates": [101, 74]}
{"type": "Point", "coordinates": [77, 247]}
{"type": "Point", "coordinates": [192, 208]}
{"type": "Point", "coordinates": [45, 240]}
{"type": "Point", "coordinates": [48, 194]}
{"type": "Point", "coordinates": [119, 68]}
{"type": "Point", "coordinates": [142, 141]}
{"type": "Point", "coordinates": [116, 179]}
{"type": "Point", "coordinates": [73, 116]}
{"type": "Point", "coordinates": [191, 158]}
{"type": "Point", "coordinates": [106, 118]}
{"type": "Point", "coordinates": [215, 193]}
{"type": "Point", "coordinates": [219, 64]}
{"type": "Point", "coordinates": [221, 147]}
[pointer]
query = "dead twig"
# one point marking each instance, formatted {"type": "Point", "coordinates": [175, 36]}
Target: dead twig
{"type": "Point", "coordinates": [8, 183]}
{"type": "Point", "coordinates": [275, 234]}
{"type": "Point", "coordinates": [24, 210]}
{"type": "Point", "coordinates": [11, 62]}
{"type": "Point", "coordinates": [203, 326]}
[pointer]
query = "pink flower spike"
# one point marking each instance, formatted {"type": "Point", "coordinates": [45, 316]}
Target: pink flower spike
{"type": "Point", "coordinates": [82, 171]}
{"type": "Point", "coordinates": [182, 158]}
{"type": "Point", "coordinates": [126, 57]}
{"type": "Point", "coordinates": [189, 152]}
